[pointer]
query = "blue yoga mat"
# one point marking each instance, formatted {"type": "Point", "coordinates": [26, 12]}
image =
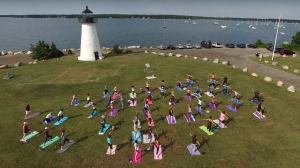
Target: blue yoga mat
{"type": "Point", "coordinates": [209, 81]}
{"type": "Point", "coordinates": [191, 116]}
{"type": "Point", "coordinates": [255, 101]}
{"type": "Point", "coordinates": [107, 95]}
{"type": "Point", "coordinates": [139, 137]}
{"type": "Point", "coordinates": [95, 114]}
{"type": "Point", "coordinates": [238, 101]}
{"type": "Point", "coordinates": [198, 109]}
{"type": "Point", "coordinates": [76, 102]}
{"type": "Point", "coordinates": [190, 82]}
{"type": "Point", "coordinates": [61, 121]}
{"type": "Point", "coordinates": [173, 119]}
{"type": "Point", "coordinates": [104, 130]}
{"type": "Point", "coordinates": [88, 105]}
{"type": "Point", "coordinates": [231, 108]}
{"type": "Point", "coordinates": [225, 93]}
{"type": "Point", "coordinates": [51, 119]}
{"type": "Point", "coordinates": [187, 85]}
{"type": "Point", "coordinates": [179, 89]}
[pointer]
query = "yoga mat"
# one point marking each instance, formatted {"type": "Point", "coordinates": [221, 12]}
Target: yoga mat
{"type": "Point", "coordinates": [152, 123]}
{"type": "Point", "coordinates": [159, 155]}
{"type": "Point", "coordinates": [225, 93]}
{"type": "Point", "coordinates": [174, 103]}
{"type": "Point", "coordinates": [116, 96]}
{"type": "Point", "coordinates": [187, 98]}
{"type": "Point", "coordinates": [104, 130]}
{"type": "Point", "coordinates": [238, 101]}
{"type": "Point", "coordinates": [33, 115]}
{"type": "Point", "coordinates": [169, 119]}
{"type": "Point", "coordinates": [138, 136]}
{"type": "Point", "coordinates": [187, 85]}
{"type": "Point", "coordinates": [149, 102]}
{"type": "Point", "coordinates": [212, 106]}
{"type": "Point", "coordinates": [196, 95]}
{"type": "Point", "coordinates": [75, 103]}
{"type": "Point", "coordinates": [231, 108]}
{"type": "Point", "coordinates": [61, 121]}
{"type": "Point", "coordinates": [190, 82]}
{"type": "Point", "coordinates": [113, 113]}
{"type": "Point", "coordinates": [208, 94]}
{"type": "Point", "coordinates": [255, 101]}
{"type": "Point", "coordinates": [51, 119]}
{"type": "Point", "coordinates": [105, 96]}
{"type": "Point", "coordinates": [221, 125]}
{"type": "Point", "coordinates": [187, 117]}
{"type": "Point", "coordinates": [258, 115]}
{"type": "Point", "coordinates": [50, 142]}
{"type": "Point", "coordinates": [209, 81]}
{"type": "Point", "coordinates": [66, 146]}
{"type": "Point", "coordinates": [88, 105]}
{"type": "Point", "coordinates": [138, 156]}
{"type": "Point", "coordinates": [179, 89]}
{"type": "Point", "coordinates": [144, 111]}
{"type": "Point", "coordinates": [133, 104]}
{"type": "Point", "coordinates": [198, 109]}
{"type": "Point", "coordinates": [111, 151]}
{"type": "Point", "coordinates": [150, 77]}
{"type": "Point", "coordinates": [134, 95]}
{"type": "Point", "coordinates": [205, 130]}
{"type": "Point", "coordinates": [146, 140]}
{"type": "Point", "coordinates": [196, 152]}
{"type": "Point", "coordinates": [94, 115]}
{"type": "Point", "coordinates": [227, 86]}
{"type": "Point", "coordinates": [160, 89]}
{"type": "Point", "coordinates": [27, 137]}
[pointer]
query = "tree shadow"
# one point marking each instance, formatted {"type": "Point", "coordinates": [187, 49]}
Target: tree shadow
{"type": "Point", "coordinates": [161, 118]}
{"type": "Point", "coordinates": [120, 123]}
{"type": "Point", "coordinates": [146, 152]}
{"type": "Point", "coordinates": [156, 108]}
{"type": "Point", "coordinates": [143, 122]}
{"type": "Point", "coordinates": [122, 109]}
{"type": "Point", "coordinates": [72, 133]}
{"type": "Point", "coordinates": [230, 119]}
{"type": "Point", "coordinates": [178, 116]}
{"type": "Point", "coordinates": [83, 138]}
{"type": "Point", "coordinates": [45, 112]}
{"type": "Point", "coordinates": [75, 116]}
{"type": "Point", "coordinates": [154, 100]}
{"type": "Point", "coordinates": [163, 133]}
{"type": "Point", "coordinates": [165, 147]}
{"type": "Point", "coordinates": [204, 141]}
{"type": "Point", "coordinates": [123, 145]}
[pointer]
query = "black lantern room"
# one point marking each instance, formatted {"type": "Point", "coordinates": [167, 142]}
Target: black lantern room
{"type": "Point", "coordinates": [87, 17]}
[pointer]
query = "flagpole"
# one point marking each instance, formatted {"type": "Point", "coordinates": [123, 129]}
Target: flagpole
{"type": "Point", "coordinates": [276, 38]}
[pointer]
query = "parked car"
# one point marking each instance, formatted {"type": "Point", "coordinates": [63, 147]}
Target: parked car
{"type": "Point", "coordinates": [197, 46]}
{"type": "Point", "coordinates": [241, 45]}
{"type": "Point", "coordinates": [216, 45]}
{"type": "Point", "coordinates": [277, 50]}
{"type": "Point", "coordinates": [180, 46]}
{"type": "Point", "coordinates": [171, 47]}
{"type": "Point", "coordinates": [286, 52]}
{"type": "Point", "coordinates": [206, 44]}
{"type": "Point", "coordinates": [251, 46]}
{"type": "Point", "coordinates": [188, 46]}
{"type": "Point", "coordinates": [229, 45]}
{"type": "Point", "coordinates": [268, 48]}
{"type": "Point", "coordinates": [162, 47]}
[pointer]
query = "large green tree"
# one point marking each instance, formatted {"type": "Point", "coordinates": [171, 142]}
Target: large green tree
{"type": "Point", "coordinates": [296, 38]}
{"type": "Point", "coordinates": [43, 51]}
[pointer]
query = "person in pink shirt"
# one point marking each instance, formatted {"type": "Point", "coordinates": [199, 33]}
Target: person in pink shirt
{"type": "Point", "coordinates": [188, 93]}
{"type": "Point", "coordinates": [147, 86]}
{"type": "Point", "coordinates": [149, 116]}
{"type": "Point", "coordinates": [222, 117]}
{"type": "Point", "coordinates": [213, 76]}
{"type": "Point", "coordinates": [213, 101]}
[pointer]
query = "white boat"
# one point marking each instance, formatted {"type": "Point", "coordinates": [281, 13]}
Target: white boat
{"type": "Point", "coordinates": [216, 21]}
{"type": "Point", "coordinates": [254, 27]}
{"type": "Point", "coordinates": [282, 33]}
{"type": "Point", "coordinates": [194, 22]}
{"type": "Point", "coordinates": [223, 26]}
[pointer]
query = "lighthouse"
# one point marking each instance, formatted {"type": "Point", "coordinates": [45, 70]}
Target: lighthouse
{"type": "Point", "coordinates": [90, 47]}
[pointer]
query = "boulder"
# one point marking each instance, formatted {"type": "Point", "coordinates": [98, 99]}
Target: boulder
{"type": "Point", "coordinates": [296, 70]}
{"type": "Point", "coordinates": [233, 66]}
{"type": "Point", "coordinates": [170, 54]}
{"type": "Point", "coordinates": [285, 67]}
{"type": "Point", "coordinates": [216, 61]}
{"type": "Point", "coordinates": [153, 52]}
{"type": "Point", "coordinates": [254, 74]}
{"type": "Point", "coordinates": [294, 55]}
{"type": "Point", "coordinates": [161, 54]}
{"type": "Point", "coordinates": [205, 59]}
{"type": "Point", "coordinates": [178, 55]}
{"type": "Point", "coordinates": [286, 43]}
{"type": "Point", "coordinates": [186, 56]}
{"type": "Point", "coordinates": [267, 62]}
{"type": "Point", "coordinates": [4, 53]}
{"type": "Point", "coordinates": [22, 52]}
{"type": "Point", "coordinates": [260, 56]}
{"type": "Point", "coordinates": [260, 59]}
{"type": "Point", "coordinates": [107, 48]}
{"type": "Point", "coordinates": [146, 51]}
{"type": "Point", "coordinates": [64, 50]}
{"type": "Point", "coordinates": [34, 62]}
{"type": "Point", "coordinates": [18, 64]}
{"type": "Point", "coordinates": [3, 66]}
{"type": "Point", "coordinates": [284, 55]}
{"type": "Point", "coordinates": [275, 63]}
{"type": "Point", "coordinates": [279, 83]}
{"type": "Point", "coordinates": [245, 70]}
{"type": "Point", "coordinates": [225, 63]}
{"type": "Point", "coordinates": [17, 53]}
{"type": "Point", "coordinates": [29, 52]}
{"type": "Point", "coordinates": [291, 88]}
{"type": "Point", "coordinates": [103, 48]}
{"type": "Point", "coordinates": [195, 58]}
{"type": "Point", "coordinates": [30, 62]}
{"type": "Point", "coordinates": [72, 49]}
{"type": "Point", "coordinates": [10, 53]}
{"type": "Point", "coordinates": [125, 47]}
{"type": "Point", "coordinates": [138, 46]}
{"type": "Point", "coordinates": [150, 46]}
{"type": "Point", "coordinates": [268, 79]}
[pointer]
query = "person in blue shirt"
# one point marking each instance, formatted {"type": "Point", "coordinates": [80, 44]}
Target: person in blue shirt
{"type": "Point", "coordinates": [225, 89]}
{"type": "Point", "coordinates": [198, 90]}
{"type": "Point", "coordinates": [109, 142]}
{"type": "Point", "coordinates": [103, 123]}
{"type": "Point", "coordinates": [64, 139]}
{"type": "Point", "coordinates": [162, 92]}
{"type": "Point", "coordinates": [212, 90]}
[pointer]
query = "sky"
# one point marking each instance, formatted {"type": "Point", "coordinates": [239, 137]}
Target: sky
{"type": "Point", "coordinates": [289, 9]}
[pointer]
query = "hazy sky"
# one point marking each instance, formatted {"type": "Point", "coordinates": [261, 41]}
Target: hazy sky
{"type": "Point", "coordinates": [289, 9]}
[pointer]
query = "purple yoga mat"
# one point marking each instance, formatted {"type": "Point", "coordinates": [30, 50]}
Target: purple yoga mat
{"type": "Point", "coordinates": [171, 121]}
{"type": "Point", "coordinates": [187, 98]}
{"type": "Point", "coordinates": [196, 152]}
{"type": "Point", "coordinates": [144, 111]}
{"type": "Point", "coordinates": [212, 106]}
{"type": "Point", "coordinates": [113, 113]}
{"type": "Point", "coordinates": [258, 115]}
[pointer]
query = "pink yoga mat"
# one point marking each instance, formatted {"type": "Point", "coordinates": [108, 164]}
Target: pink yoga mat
{"type": "Point", "coordinates": [149, 102]}
{"type": "Point", "coordinates": [133, 104]}
{"type": "Point", "coordinates": [159, 153]}
{"type": "Point", "coordinates": [138, 157]}
{"type": "Point", "coordinates": [187, 116]}
{"type": "Point", "coordinates": [152, 123]}
{"type": "Point", "coordinates": [116, 96]}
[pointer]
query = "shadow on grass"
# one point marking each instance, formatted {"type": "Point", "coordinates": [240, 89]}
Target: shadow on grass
{"type": "Point", "coordinates": [83, 138]}
{"type": "Point", "coordinates": [75, 116]}
{"type": "Point", "coordinates": [163, 133]}
{"type": "Point", "coordinates": [204, 141]}
{"type": "Point", "coordinates": [230, 119]}
{"type": "Point", "coordinates": [156, 108]}
{"type": "Point", "coordinates": [44, 112]}
{"type": "Point", "coordinates": [120, 123]}
{"type": "Point", "coordinates": [165, 147]}
{"type": "Point", "coordinates": [161, 118]}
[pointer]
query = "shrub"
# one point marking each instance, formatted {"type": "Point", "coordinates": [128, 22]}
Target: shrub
{"type": "Point", "coordinates": [116, 50]}
{"type": "Point", "coordinates": [42, 51]}
{"type": "Point", "coordinates": [70, 52]}
{"type": "Point", "coordinates": [296, 39]}
{"type": "Point", "coordinates": [128, 51]}
{"type": "Point", "coordinates": [260, 44]}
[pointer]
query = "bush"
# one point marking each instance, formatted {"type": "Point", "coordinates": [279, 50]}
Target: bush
{"type": "Point", "coordinates": [70, 52]}
{"type": "Point", "coordinates": [116, 50]}
{"type": "Point", "coordinates": [260, 44]}
{"type": "Point", "coordinates": [128, 51]}
{"type": "Point", "coordinates": [42, 51]}
{"type": "Point", "coordinates": [291, 47]}
{"type": "Point", "coordinates": [296, 39]}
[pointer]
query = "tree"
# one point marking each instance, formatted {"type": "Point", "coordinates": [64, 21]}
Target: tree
{"type": "Point", "coordinates": [42, 51]}
{"type": "Point", "coordinates": [55, 53]}
{"type": "Point", "coordinates": [296, 39]}
{"type": "Point", "coordinates": [259, 42]}
{"type": "Point", "coordinates": [116, 50]}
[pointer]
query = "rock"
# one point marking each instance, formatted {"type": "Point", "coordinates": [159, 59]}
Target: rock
{"type": "Point", "coordinates": [170, 54]}
{"type": "Point", "coordinates": [254, 74]}
{"type": "Point", "coordinates": [146, 51]}
{"type": "Point", "coordinates": [4, 53]}
{"type": "Point", "coordinates": [153, 52]}
{"type": "Point", "coordinates": [103, 48]}
{"type": "Point", "coordinates": [268, 79]}
{"type": "Point", "coordinates": [266, 55]}
{"type": "Point", "coordinates": [178, 55]}
{"type": "Point", "coordinates": [161, 54]}
{"type": "Point", "coordinates": [260, 56]}
{"type": "Point", "coordinates": [22, 52]}
{"type": "Point", "coordinates": [150, 47]}
{"type": "Point", "coordinates": [286, 43]}
{"type": "Point", "coordinates": [233, 66]}
{"type": "Point", "coordinates": [30, 62]}
{"type": "Point", "coordinates": [245, 70]}
{"type": "Point", "coordinates": [64, 50]}
{"type": "Point", "coordinates": [205, 59]}
{"type": "Point", "coordinates": [138, 46]}
{"type": "Point", "coordinates": [125, 47]}
{"type": "Point", "coordinates": [225, 63]}
{"type": "Point", "coordinates": [10, 53]}
{"type": "Point", "coordinates": [284, 55]}
{"type": "Point", "coordinates": [275, 63]}
{"type": "Point", "coordinates": [267, 62]}
{"type": "Point", "coordinates": [186, 56]}
{"type": "Point", "coordinates": [107, 48]}
{"type": "Point", "coordinates": [3, 66]}
{"type": "Point", "coordinates": [16, 53]}
{"type": "Point", "coordinates": [18, 64]}
{"type": "Point", "coordinates": [296, 70]}
{"type": "Point", "coordinates": [291, 88]}
{"type": "Point", "coordinates": [29, 52]}
{"type": "Point", "coordinates": [72, 49]}
{"type": "Point", "coordinates": [34, 62]}
{"type": "Point", "coordinates": [195, 58]}
{"type": "Point", "coordinates": [216, 61]}
{"type": "Point", "coordinates": [294, 55]}
{"type": "Point", "coordinates": [285, 67]}
{"type": "Point", "coordinates": [279, 83]}
{"type": "Point", "coordinates": [78, 49]}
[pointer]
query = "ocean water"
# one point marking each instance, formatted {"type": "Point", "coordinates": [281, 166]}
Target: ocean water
{"type": "Point", "coordinates": [17, 34]}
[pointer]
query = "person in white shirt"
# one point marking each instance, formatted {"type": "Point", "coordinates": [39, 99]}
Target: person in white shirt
{"type": "Point", "coordinates": [47, 119]}
{"type": "Point", "coordinates": [60, 114]}
{"type": "Point", "coordinates": [73, 98]}
{"type": "Point", "coordinates": [136, 148]}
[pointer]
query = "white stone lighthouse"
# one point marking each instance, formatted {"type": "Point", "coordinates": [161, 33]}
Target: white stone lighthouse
{"type": "Point", "coordinates": [90, 47]}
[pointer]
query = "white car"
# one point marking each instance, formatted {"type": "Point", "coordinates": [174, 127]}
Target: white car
{"type": "Point", "coordinates": [216, 45]}
{"type": "Point", "coordinates": [188, 46]}
{"type": "Point", "coordinates": [197, 46]}
{"type": "Point", "coordinates": [180, 46]}
{"type": "Point", "coordinates": [162, 47]}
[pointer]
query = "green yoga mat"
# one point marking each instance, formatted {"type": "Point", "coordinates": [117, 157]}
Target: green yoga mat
{"type": "Point", "coordinates": [50, 142]}
{"type": "Point", "coordinates": [30, 136]}
{"type": "Point", "coordinates": [205, 130]}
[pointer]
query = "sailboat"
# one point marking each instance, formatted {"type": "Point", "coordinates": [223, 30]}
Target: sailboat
{"type": "Point", "coordinates": [194, 22]}
{"type": "Point", "coordinates": [165, 24]}
{"type": "Point", "coordinates": [229, 23]}
{"type": "Point", "coordinates": [238, 23]}
{"type": "Point", "coordinates": [223, 25]}
{"type": "Point", "coordinates": [254, 27]}
{"type": "Point", "coordinates": [283, 26]}
{"type": "Point", "coordinates": [216, 21]}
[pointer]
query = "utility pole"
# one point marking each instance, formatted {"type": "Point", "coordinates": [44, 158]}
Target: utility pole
{"type": "Point", "coordinates": [276, 38]}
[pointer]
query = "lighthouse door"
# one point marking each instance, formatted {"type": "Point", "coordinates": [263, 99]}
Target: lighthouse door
{"type": "Point", "coordinates": [96, 55]}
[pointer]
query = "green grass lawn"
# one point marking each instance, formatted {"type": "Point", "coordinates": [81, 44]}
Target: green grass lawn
{"type": "Point", "coordinates": [290, 61]}
{"type": "Point", "coordinates": [247, 142]}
